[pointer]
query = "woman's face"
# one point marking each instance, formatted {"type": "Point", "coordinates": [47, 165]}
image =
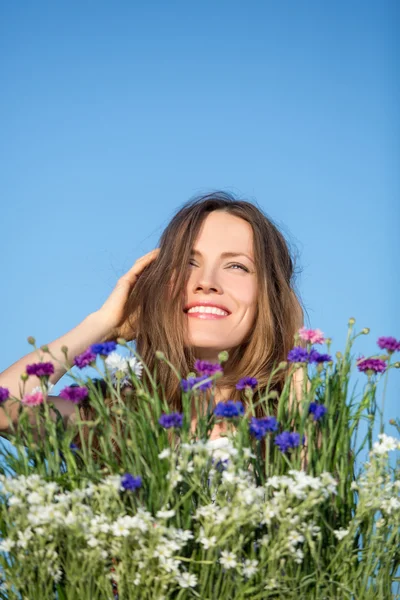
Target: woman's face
{"type": "Point", "coordinates": [221, 293]}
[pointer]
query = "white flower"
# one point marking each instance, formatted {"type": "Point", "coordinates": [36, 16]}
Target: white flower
{"type": "Point", "coordinates": [166, 453]}
{"type": "Point", "coordinates": [24, 537]}
{"type": "Point", "coordinates": [6, 545]}
{"type": "Point", "coordinates": [295, 538]}
{"type": "Point", "coordinates": [136, 366]}
{"type": "Point", "coordinates": [390, 505]}
{"type": "Point", "coordinates": [187, 580]}
{"type": "Point", "coordinates": [165, 514]}
{"type": "Point", "coordinates": [265, 540]}
{"type": "Point", "coordinates": [14, 501]}
{"type": "Point", "coordinates": [247, 453]}
{"type": "Point", "coordinates": [250, 568]}
{"type": "Point", "coordinates": [272, 584]}
{"type": "Point", "coordinates": [119, 529]}
{"type": "Point", "coordinates": [298, 556]}
{"type": "Point", "coordinates": [34, 498]}
{"type": "Point", "coordinates": [228, 559]}
{"type": "Point", "coordinates": [116, 362]}
{"type": "Point", "coordinates": [386, 444]}
{"type": "Point", "coordinates": [206, 542]}
{"type": "Point", "coordinates": [269, 514]}
{"type": "Point", "coordinates": [341, 533]}
{"type": "Point", "coordinates": [92, 542]}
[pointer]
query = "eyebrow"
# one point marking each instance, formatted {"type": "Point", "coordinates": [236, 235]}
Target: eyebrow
{"type": "Point", "coordinates": [226, 254]}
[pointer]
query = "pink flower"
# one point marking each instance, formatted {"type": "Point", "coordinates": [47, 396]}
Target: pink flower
{"type": "Point", "coordinates": [315, 336]}
{"type": "Point", "coordinates": [33, 399]}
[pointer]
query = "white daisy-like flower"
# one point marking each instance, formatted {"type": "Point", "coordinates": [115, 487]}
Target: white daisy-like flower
{"type": "Point", "coordinates": [295, 538]}
{"type": "Point", "coordinates": [390, 505]}
{"type": "Point", "coordinates": [166, 453]}
{"type": "Point", "coordinates": [187, 580]}
{"type": "Point", "coordinates": [165, 514]}
{"type": "Point", "coordinates": [206, 542]}
{"type": "Point", "coordinates": [250, 568]}
{"type": "Point", "coordinates": [6, 545]}
{"type": "Point", "coordinates": [386, 444]}
{"type": "Point", "coordinates": [341, 533]}
{"type": "Point", "coordinates": [228, 559]}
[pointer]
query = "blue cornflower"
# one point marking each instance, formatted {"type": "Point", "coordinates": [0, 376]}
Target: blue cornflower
{"type": "Point", "coordinates": [104, 349]}
{"type": "Point", "coordinates": [171, 420]}
{"type": "Point", "coordinates": [187, 384]}
{"type": "Point", "coordinates": [260, 427]}
{"type": "Point", "coordinates": [229, 409]}
{"type": "Point", "coordinates": [316, 357]}
{"type": "Point", "coordinates": [203, 367]}
{"type": "Point", "coordinates": [73, 447]}
{"type": "Point", "coordinates": [298, 354]}
{"type": "Point", "coordinates": [129, 482]}
{"type": "Point", "coordinates": [287, 440]}
{"type": "Point", "coordinates": [317, 410]}
{"type": "Point", "coordinates": [245, 382]}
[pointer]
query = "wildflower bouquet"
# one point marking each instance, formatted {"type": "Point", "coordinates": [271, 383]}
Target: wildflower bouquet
{"type": "Point", "coordinates": [134, 504]}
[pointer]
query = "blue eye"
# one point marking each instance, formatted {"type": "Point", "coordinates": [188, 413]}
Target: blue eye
{"type": "Point", "coordinates": [240, 267]}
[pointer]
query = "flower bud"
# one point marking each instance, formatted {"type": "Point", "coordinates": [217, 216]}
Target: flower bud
{"type": "Point", "coordinates": [352, 321]}
{"type": "Point", "coordinates": [282, 364]}
{"type": "Point", "coordinates": [24, 377]}
{"type": "Point", "coordinates": [396, 365]}
{"type": "Point", "coordinates": [64, 349]}
{"type": "Point", "coordinates": [223, 356]}
{"type": "Point", "coordinates": [44, 349]}
{"type": "Point", "coordinates": [273, 394]}
{"type": "Point", "coordinates": [160, 355]}
{"type": "Point", "coordinates": [121, 341]}
{"type": "Point", "coordinates": [365, 331]}
{"type": "Point", "coordinates": [31, 340]}
{"type": "Point", "coordinates": [339, 355]}
{"type": "Point", "coordinates": [392, 422]}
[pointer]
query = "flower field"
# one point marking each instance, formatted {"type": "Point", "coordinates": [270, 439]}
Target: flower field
{"type": "Point", "coordinates": [133, 503]}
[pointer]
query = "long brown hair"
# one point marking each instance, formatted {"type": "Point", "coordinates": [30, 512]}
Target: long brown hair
{"type": "Point", "coordinates": [155, 304]}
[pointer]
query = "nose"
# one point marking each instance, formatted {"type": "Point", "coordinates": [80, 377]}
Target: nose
{"type": "Point", "coordinates": [202, 281]}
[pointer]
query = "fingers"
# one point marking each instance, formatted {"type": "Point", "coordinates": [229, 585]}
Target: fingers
{"type": "Point", "coordinates": [140, 264]}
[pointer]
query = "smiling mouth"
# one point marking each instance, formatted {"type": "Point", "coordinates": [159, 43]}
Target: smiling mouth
{"type": "Point", "coordinates": [206, 312]}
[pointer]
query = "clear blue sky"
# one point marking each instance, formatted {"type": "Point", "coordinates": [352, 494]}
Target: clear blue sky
{"type": "Point", "coordinates": [114, 114]}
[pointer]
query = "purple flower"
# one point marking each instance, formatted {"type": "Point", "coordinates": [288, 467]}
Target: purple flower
{"type": "Point", "coordinates": [84, 359]}
{"type": "Point", "coordinates": [171, 420]}
{"type": "Point", "coordinates": [317, 410]}
{"type": "Point", "coordinates": [298, 354]}
{"type": "Point", "coordinates": [187, 384]}
{"type": "Point", "coordinates": [73, 447]}
{"type": "Point", "coordinates": [315, 357]}
{"type": "Point", "coordinates": [229, 409]}
{"type": "Point", "coordinates": [4, 394]}
{"type": "Point", "coordinates": [260, 427]}
{"type": "Point", "coordinates": [74, 393]}
{"type": "Point", "coordinates": [287, 440]}
{"type": "Point", "coordinates": [44, 369]}
{"type": "Point", "coordinates": [388, 343]}
{"type": "Point", "coordinates": [130, 483]}
{"type": "Point", "coordinates": [103, 349]}
{"type": "Point", "coordinates": [203, 367]}
{"type": "Point", "coordinates": [245, 382]}
{"type": "Point", "coordinates": [371, 365]}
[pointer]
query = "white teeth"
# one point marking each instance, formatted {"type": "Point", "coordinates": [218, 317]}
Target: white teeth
{"type": "Point", "coordinates": [208, 309]}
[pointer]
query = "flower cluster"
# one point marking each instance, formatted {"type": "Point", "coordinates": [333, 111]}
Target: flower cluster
{"type": "Point", "coordinates": [287, 440]}
{"type": "Point", "coordinates": [44, 369]}
{"type": "Point", "coordinates": [302, 355]}
{"type": "Point", "coordinates": [260, 427]}
{"type": "Point", "coordinates": [317, 410]}
{"type": "Point", "coordinates": [74, 393]}
{"type": "Point", "coordinates": [371, 365]}
{"type": "Point", "coordinates": [229, 409]}
{"type": "Point", "coordinates": [313, 336]}
{"type": "Point", "coordinates": [171, 420]}
{"type": "Point", "coordinates": [389, 343]}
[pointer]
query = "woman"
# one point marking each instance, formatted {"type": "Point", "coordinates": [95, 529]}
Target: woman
{"type": "Point", "coordinates": [220, 280]}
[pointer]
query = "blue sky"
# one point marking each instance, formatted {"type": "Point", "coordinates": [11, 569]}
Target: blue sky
{"type": "Point", "coordinates": [114, 114]}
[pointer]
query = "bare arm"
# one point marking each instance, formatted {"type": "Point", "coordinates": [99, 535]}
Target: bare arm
{"type": "Point", "coordinates": [105, 324]}
{"type": "Point", "coordinates": [90, 331]}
